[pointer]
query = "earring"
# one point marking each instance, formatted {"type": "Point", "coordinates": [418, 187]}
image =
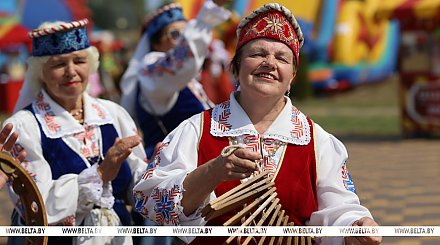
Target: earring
{"type": "Point", "coordinates": [236, 85]}
{"type": "Point", "coordinates": [288, 93]}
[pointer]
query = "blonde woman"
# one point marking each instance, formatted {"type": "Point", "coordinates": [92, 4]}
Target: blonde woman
{"type": "Point", "coordinates": [84, 153]}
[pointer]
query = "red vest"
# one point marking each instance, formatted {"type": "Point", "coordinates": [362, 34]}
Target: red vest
{"type": "Point", "coordinates": [295, 181]}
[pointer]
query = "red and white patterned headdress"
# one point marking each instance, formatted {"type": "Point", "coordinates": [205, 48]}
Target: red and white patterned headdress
{"type": "Point", "coordinates": [273, 21]}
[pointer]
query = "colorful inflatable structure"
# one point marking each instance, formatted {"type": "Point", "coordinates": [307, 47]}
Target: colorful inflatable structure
{"type": "Point", "coordinates": [361, 48]}
{"type": "Point", "coordinates": [345, 44]}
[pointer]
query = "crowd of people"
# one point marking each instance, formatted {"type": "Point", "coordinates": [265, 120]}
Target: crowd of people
{"type": "Point", "coordinates": [88, 158]}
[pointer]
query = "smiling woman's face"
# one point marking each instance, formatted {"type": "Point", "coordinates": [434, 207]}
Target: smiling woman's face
{"type": "Point", "coordinates": [65, 76]}
{"type": "Point", "coordinates": [266, 68]}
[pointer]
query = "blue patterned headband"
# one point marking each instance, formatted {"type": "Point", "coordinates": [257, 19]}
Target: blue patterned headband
{"type": "Point", "coordinates": [61, 39]}
{"type": "Point", "coordinates": [162, 17]}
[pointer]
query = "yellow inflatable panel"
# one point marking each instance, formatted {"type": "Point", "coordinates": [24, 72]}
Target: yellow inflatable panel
{"type": "Point", "coordinates": [420, 8]}
{"type": "Point", "coordinates": [426, 8]}
{"type": "Point", "coordinates": [347, 49]}
{"type": "Point", "coordinates": [359, 37]}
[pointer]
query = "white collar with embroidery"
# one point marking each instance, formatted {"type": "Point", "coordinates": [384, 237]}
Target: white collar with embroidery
{"type": "Point", "coordinates": [229, 120]}
{"type": "Point", "coordinates": [57, 122]}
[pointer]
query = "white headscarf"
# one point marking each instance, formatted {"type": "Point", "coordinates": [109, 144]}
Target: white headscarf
{"type": "Point", "coordinates": [32, 84]}
{"type": "Point", "coordinates": [129, 79]}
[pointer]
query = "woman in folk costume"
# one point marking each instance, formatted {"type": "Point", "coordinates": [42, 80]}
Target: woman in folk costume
{"type": "Point", "coordinates": [308, 164]}
{"type": "Point", "coordinates": [84, 153]}
{"type": "Point", "coordinates": [159, 88]}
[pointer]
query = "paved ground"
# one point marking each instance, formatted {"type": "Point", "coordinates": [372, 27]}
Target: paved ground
{"type": "Point", "coordinates": [398, 180]}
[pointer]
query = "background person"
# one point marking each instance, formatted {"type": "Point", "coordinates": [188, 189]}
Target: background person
{"type": "Point", "coordinates": [308, 164]}
{"type": "Point", "coordinates": [82, 152]}
{"type": "Point", "coordinates": [159, 88]}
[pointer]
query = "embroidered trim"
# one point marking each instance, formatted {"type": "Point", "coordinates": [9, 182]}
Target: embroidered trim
{"type": "Point", "coordinates": [45, 115]}
{"type": "Point", "coordinates": [57, 123]}
{"type": "Point", "coordinates": [165, 200]}
{"type": "Point", "coordinates": [280, 161]}
{"type": "Point", "coordinates": [222, 126]}
{"type": "Point", "coordinates": [346, 179]}
{"type": "Point", "coordinates": [140, 201]}
{"type": "Point", "coordinates": [155, 161]}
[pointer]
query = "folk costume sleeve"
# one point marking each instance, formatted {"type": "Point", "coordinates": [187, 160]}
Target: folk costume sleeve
{"type": "Point", "coordinates": [158, 194]}
{"type": "Point", "coordinates": [162, 75]}
{"type": "Point", "coordinates": [338, 204]}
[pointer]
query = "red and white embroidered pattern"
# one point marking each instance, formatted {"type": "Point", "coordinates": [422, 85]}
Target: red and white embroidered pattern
{"type": "Point", "coordinates": [267, 147]}
{"type": "Point", "coordinates": [271, 24]}
{"type": "Point", "coordinates": [223, 118]}
{"type": "Point", "coordinates": [297, 124]}
{"type": "Point", "coordinates": [88, 141]}
{"type": "Point", "coordinates": [346, 179]}
{"type": "Point", "coordinates": [252, 142]}
{"type": "Point", "coordinates": [47, 113]}
{"type": "Point", "coordinates": [270, 148]}
{"type": "Point", "coordinates": [155, 161]}
{"type": "Point", "coordinates": [293, 128]}
{"type": "Point", "coordinates": [166, 200]}
{"type": "Point", "coordinates": [98, 110]}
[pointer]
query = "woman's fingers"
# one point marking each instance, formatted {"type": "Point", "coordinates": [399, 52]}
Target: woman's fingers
{"type": "Point", "coordinates": [245, 160]}
{"type": "Point", "coordinates": [247, 154]}
{"type": "Point", "coordinates": [122, 148]}
{"type": "Point", "coordinates": [10, 142]}
{"type": "Point", "coordinates": [5, 142]}
{"type": "Point", "coordinates": [238, 164]}
{"type": "Point", "coordinates": [126, 144]}
{"type": "Point", "coordinates": [116, 155]}
{"type": "Point", "coordinates": [3, 179]}
{"type": "Point", "coordinates": [243, 165]}
{"type": "Point", "coordinates": [4, 133]}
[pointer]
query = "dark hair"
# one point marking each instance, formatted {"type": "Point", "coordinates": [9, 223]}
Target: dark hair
{"type": "Point", "coordinates": [234, 66]}
{"type": "Point", "coordinates": [156, 39]}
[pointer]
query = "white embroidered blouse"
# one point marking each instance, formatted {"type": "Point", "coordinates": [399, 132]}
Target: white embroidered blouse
{"type": "Point", "coordinates": [70, 198]}
{"type": "Point", "coordinates": [159, 193]}
{"type": "Point", "coordinates": [162, 75]}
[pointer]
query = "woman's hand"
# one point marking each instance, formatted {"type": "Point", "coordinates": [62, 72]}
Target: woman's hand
{"type": "Point", "coordinates": [198, 184]}
{"type": "Point", "coordinates": [3, 179]}
{"type": "Point", "coordinates": [116, 155]}
{"type": "Point", "coordinates": [241, 163]}
{"type": "Point", "coordinates": [367, 240]}
{"type": "Point", "coordinates": [7, 142]}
